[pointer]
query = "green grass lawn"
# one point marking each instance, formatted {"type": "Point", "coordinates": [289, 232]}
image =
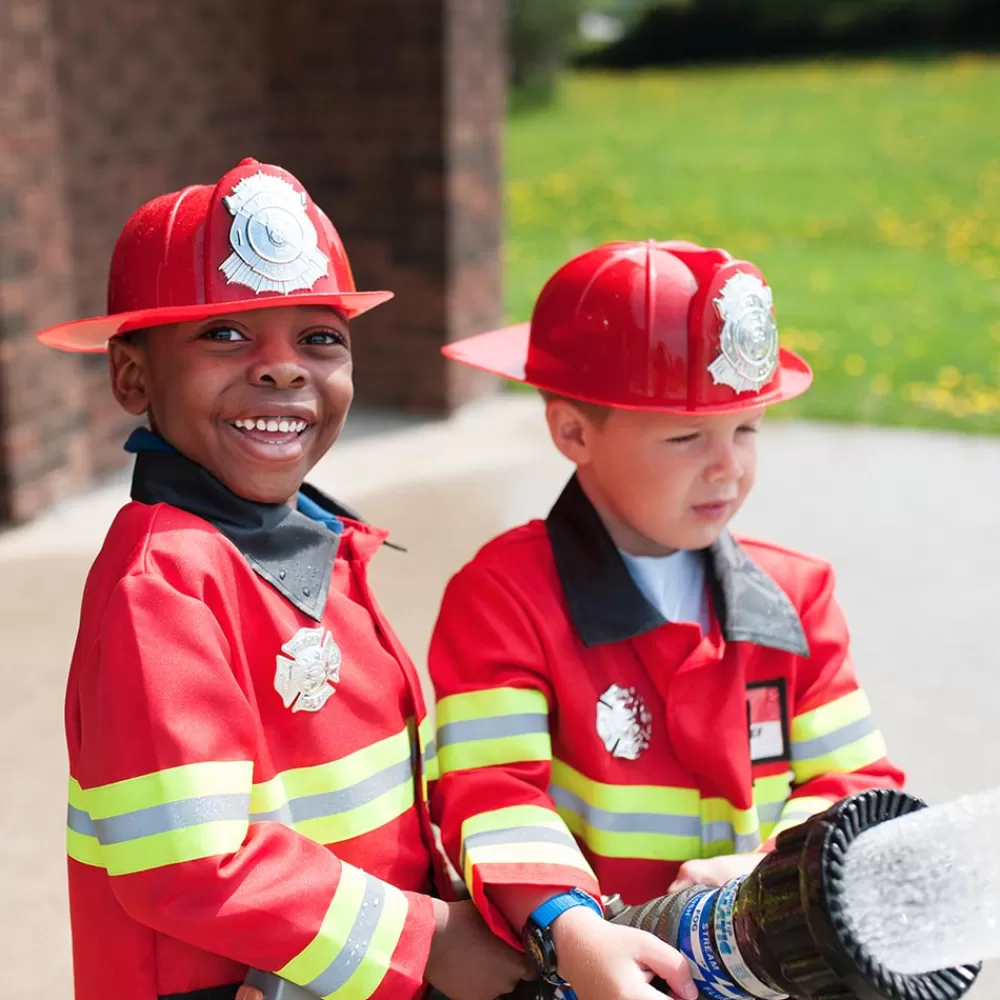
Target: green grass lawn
{"type": "Point", "coordinates": [868, 193]}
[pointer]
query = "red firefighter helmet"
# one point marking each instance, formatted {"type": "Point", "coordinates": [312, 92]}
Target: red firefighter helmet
{"type": "Point", "coordinates": [649, 326]}
{"type": "Point", "coordinates": [254, 240]}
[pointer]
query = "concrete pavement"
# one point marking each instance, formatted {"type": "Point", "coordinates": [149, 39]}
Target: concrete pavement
{"type": "Point", "coordinates": [910, 520]}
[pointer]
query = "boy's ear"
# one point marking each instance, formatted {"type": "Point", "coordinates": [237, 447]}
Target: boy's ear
{"type": "Point", "coordinates": [572, 430]}
{"type": "Point", "coordinates": [128, 366]}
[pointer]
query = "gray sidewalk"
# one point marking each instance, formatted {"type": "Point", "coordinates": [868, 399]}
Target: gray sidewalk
{"type": "Point", "coordinates": [910, 520]}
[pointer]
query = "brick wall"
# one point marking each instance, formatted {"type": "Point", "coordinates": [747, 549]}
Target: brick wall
{"type": "Point", "coordinates": [390, 112]}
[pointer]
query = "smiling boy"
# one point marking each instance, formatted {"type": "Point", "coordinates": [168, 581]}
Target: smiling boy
{"type": "Point", "coordinates": [248, 745]}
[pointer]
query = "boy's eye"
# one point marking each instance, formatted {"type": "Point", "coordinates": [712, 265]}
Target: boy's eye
{"type": "Point", "coordinates": [682, 439]}
{"type": "Point", "coordinates": [223, 334]}
{"type": "Point", "coordinates": [747, 429]}
{"type": "Point", "coordinates": [323, 337]}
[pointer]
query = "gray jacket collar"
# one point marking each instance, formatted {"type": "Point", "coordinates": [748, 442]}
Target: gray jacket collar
{"type": "Point", "coordinates": [606, 605]}
{"type": "Point", "coordinates": [294, 553]}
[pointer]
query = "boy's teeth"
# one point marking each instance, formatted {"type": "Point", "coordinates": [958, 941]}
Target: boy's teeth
{"type": "Point", "coordinates": [272, 424]}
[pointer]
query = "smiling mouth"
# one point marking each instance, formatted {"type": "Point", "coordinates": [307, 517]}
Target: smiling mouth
{"type": "Point", "coordinates": [265, 425]}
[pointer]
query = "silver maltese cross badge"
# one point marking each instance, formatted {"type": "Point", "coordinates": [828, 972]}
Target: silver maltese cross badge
{"type": "Point", "coordinates": [623, 722]}
{"type": "Point", "coordinates": [275, 246]}
{"type": "Point", "coordinates": [305, 677]}
{"type": "Point", "coordinates": [749, 339]}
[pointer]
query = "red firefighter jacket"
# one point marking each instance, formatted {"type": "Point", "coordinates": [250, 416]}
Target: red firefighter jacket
{"type": "Point", "coordinates": [245, 732]}
{"type": "Point", "coordinates": [583, 741]}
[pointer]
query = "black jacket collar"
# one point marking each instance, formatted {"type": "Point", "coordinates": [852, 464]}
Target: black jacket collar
{"type": "Point", "coordinates": [294, 553]}
{"type": "Point", "coordinates": [607, 606]}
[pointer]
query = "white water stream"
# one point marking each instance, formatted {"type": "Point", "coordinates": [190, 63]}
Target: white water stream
{"type": "Point", "coordinates": [923, 891]}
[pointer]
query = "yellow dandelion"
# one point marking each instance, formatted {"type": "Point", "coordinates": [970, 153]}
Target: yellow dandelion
{"type": "Point", "coordinates": [881, 385]}
{"type": "Point", "coordinates": [949, 377]}
{"type": "Point", "coordinates": [881, 336]}
{"type": "Point", "coordinates": [854, 365]}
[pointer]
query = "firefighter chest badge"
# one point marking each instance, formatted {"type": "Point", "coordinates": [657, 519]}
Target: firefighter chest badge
{"type": "Point", "coordinates": [274, 243]}
{"type": "Point", "coordinates": [623, 722]}
{"type": "Point", "coordinates": [306, 675]}
{"type": "Point", "coordinates": [766, 718]}
{"type": "Point", "coordinates": [749, 339]}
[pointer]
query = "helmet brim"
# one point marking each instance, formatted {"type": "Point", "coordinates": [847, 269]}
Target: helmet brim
{"type": "Point", "coordinates": [91, 336]}
{"type": "Point", "coordinates": [504, 352]}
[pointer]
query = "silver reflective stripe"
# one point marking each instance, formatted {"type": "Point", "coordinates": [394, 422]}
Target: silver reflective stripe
{"type": "Point", "coordinates": [80, 822]}
{"type": "Point", "coordinates": [517, 835]}
{"type": "Point", "coordinates": [340, 801]}
{"type": "Point", "coordinates": [794, 817]}
{"type": "Point", "coordinates": [636, 822]}
{"type": "Point", "coordinates": [160, 819]}
{"type": "Point", "coordinates": [430, 751]}
{"type": "Point", "coordinates": [493, 728]}
{"type": "Point", "coordinates": [845, 736]}
{"type": "Point", "coordinates": [722, 831]}
{"type": "Point", "coordinates": [352, 954]}
{"type": "Point", "coordinates": [770, 812]}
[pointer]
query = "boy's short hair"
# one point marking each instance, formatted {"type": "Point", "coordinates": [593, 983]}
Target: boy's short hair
{"type": "Point", "coordinates": [597, 413]}
{"type": "Point", "coordinates": [135, 337]}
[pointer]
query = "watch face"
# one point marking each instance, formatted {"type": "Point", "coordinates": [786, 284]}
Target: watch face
{"type": "Point", "coordinates": [540, 950]}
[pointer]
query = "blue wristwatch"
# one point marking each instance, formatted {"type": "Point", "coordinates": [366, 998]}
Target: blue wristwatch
{"type": "Point", "coordinates": [537, 933]}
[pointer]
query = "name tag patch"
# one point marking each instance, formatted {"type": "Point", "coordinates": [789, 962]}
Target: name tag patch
{"type": "Point", "coordinates": [767, 721]}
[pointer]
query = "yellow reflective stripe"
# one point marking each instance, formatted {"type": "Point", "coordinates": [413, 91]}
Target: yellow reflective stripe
{"type": "Point", "coordinates": [174, 784]}
{"type": "Point", "coordinates": [518, 835]}
{"type": "Point", "coordinates": [86, 850]}
{"type": "Point", "coordinates": [492, 727]}
{"type": "Point", "coordinates": [333, 932]}
{"type": "Point", "coordinates": [174, 847]}
{"type": "Point", "coordinates": [743, 821]}
{"type": "Point", "coordinates": [428, 751]}
{"type": "Point", "coordinates": [378, 959]}
{"type": "Point", "coordinates": [830, 717]}
{"type": "Point", "coordinates": [495, 752]}
{"type": "Point", "coordinates": [627, 798]}
{"type": "Point", "coordinates": [352, 951]}
{"type": "Point", "coordinates": [360, 820]}
{"type": "Point", "coordinates": [797, 811]}
{"type": "Point", "coordinates": [844, 760]}
{"type": "Point", "coordinates": [509, 817]}
{"type": "Point", "coordinates": [319, 779]}
{"type": "Point", "coordinates": [629, 844]}
{"type": "Point", "coordinates": [662, 823]}
{"type": "Point", "coordinates": [488, 703]}
{"type": "Point", "coordinates": [771, 789]}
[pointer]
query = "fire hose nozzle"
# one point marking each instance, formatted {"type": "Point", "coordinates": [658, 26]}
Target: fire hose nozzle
{"type": "Point", "coordinates": [784, 930]}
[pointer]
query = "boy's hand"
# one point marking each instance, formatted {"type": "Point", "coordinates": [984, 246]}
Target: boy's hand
{"type": "Point", "coordinates": [714, 871]}
{"type": "Point", "coordinates": [467, 960]}
{"type": "Point", "coordinates": [603, 961]}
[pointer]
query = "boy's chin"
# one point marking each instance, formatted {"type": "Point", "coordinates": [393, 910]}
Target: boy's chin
{"type": "Point", "coordinates": [277, 489]}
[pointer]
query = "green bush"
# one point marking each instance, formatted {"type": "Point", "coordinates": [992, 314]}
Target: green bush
{"type": "Point", "coordinates": [671, 33]}
{"type": "Point", "coordinates": [542, 35]}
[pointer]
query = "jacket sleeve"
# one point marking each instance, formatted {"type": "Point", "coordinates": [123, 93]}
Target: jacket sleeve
{"type": "Point", "coordinates": [498, 824]}
{"type": "Point", "coordinates": [162, 797]}
{"type": "Point", "coordinates": [836, 747]}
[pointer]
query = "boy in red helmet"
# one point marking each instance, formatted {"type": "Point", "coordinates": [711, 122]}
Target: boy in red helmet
{"type": "Point", "coordinates": [248, 746]}
{"type": "Point", "coordinates": [632, 700]}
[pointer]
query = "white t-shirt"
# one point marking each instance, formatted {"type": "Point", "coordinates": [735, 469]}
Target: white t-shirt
{"type": "Point", "coordinates": [674, 585]}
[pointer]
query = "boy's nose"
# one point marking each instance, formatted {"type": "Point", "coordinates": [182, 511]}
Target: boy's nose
{"type": "Point", "coordinates": [726, 466]}
{"type": "Point", "coordinates": [277, 370]}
